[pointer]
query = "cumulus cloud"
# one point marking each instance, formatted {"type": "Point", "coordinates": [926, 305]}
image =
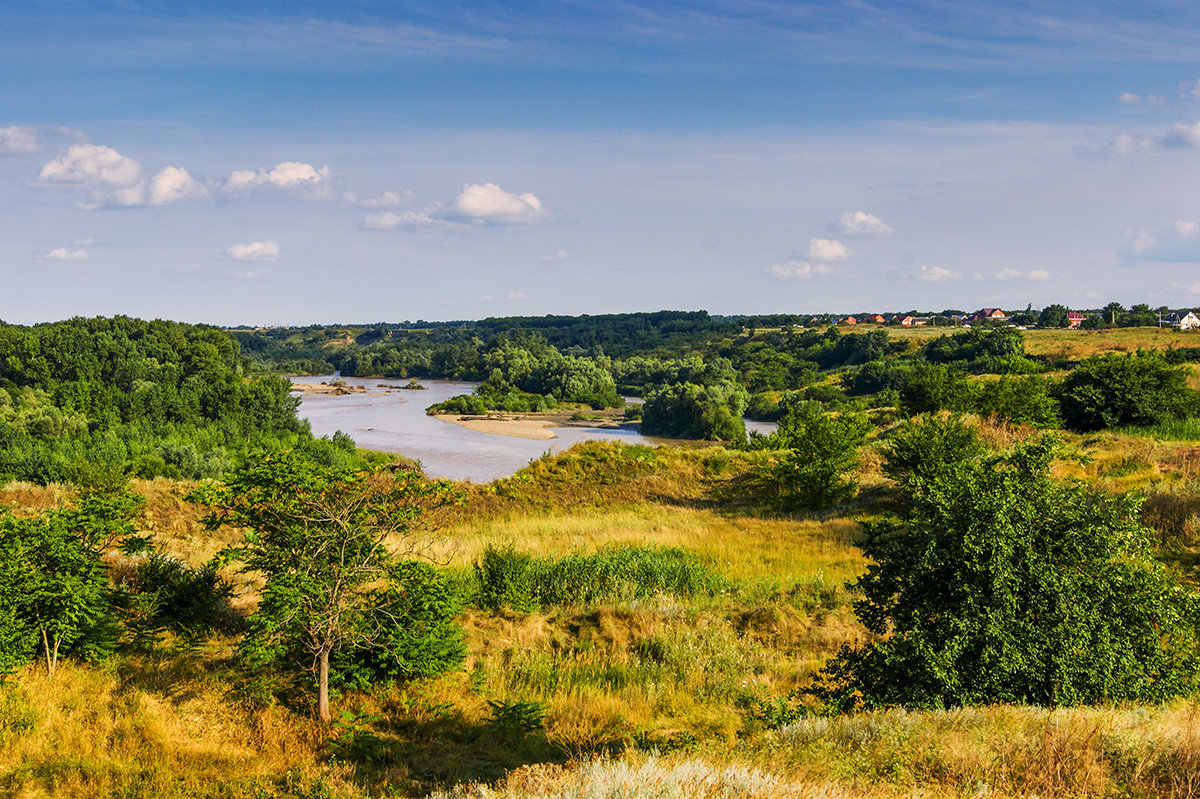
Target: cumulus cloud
{"type": "Point", "coordinates": [63, 254]}
{"type": "Point", "coordinates": [798, 270]}
{"type": "Point", "coordinates": [937, 274]}
{"type": "Point", "coordinates": [287, 176]}
{"type": "Point", "coordinates": [1038, 274]}
{"type": "Point", "coordinates": [518, 295]}
{"type": "Point", "coordinates": [1189, 90]}
{"type": "Point", "coordinates": [827, 250]}
{"type": "Point", "coordinates": [17, 140]}
{"type": "Point", "coordinates": [1177, 241]}
{"type": "Point", "coordinates": [1186, 136]}
{"type": "Point", "coordinates": [254, 251]}
{"type": "Point", "coordinates": [172, 184]}
{"type": "Point", "coordinates": [558, 256]}
{"type": "Point", "coordinates": [488, 204]}
{"type": "Point", "coordinates": [477, 204]}
{"type": "Point", "coordinates": [860, 224]}
{"type": "Point", "coordinates": [91, 164]}
{"type": "Point", "coordinates": [1181, 137]}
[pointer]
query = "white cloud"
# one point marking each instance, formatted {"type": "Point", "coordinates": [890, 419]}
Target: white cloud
{"type": "Point", "coordinates": [1189, 89]}
{"type": "Point", "coordinates": [1177, 241]}
{"type": "Point", "coordinates": [91, 164]}
{"type": "Point", "coordinates": [172, 184]}
{"type": "Point", "coordinates": [860, 224]}
{"type": "Point", "coordinates": [1129, 98]}
{"type": "Point", "coordinates": [90, 240]}
{"type": "Point", "coordinates": [798, 270]}
{"type": "Point", "coordinates": [827, 250]}
{"type": "Point", "coordinates": [423, 219]}
{"type": "Point", "coordinates": [558, 256]}
{"type": "Point", "coordinates": [518, 295]}
{"type": "Point", "coordinates": [17, 140]}
{"type": "Point", "coordinates": [937, 274]}
{"type": "Point", "coordinates": [1183, 136]}
{"type": "Point", "coordinates": [288, 176]}
{"type": "Point", "coordinates": [488, 204]}
{"type": "Point", "coordinates": [389, 199]}
{"type": "Point", "coordinates": [254, 251]}
{"type": "Point", "coordinates": [63, 254]}
{"type": "Point", "coordinates": [486, 298]}
{"type": "Point", "coordinates": [1009, 273]}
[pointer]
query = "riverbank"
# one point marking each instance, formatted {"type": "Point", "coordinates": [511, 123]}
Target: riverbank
{"type": "Point", "coordinates": [535, 426]}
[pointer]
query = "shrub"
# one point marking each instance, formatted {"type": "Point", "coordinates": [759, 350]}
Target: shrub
{"type": "Point", "coordinates": [1001, 585]}
{"type": "Point", "coordinates": [1113, 390]}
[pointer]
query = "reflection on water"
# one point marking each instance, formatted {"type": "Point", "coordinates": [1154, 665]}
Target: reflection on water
{"type": "Point", "coordinates": [394, 420]}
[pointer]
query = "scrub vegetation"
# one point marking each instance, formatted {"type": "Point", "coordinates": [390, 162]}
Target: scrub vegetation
{"type": "Point", "coordinates": [931, 580]}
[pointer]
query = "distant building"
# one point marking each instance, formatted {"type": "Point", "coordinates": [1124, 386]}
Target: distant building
{"type": "Point", "coordinates": [904, 320]}
{"type": "Point", "coordinates": [989, 313]}
{"type": "Point", "coordinates": [1184, 321]}
{"type": "Point", "coordinates": [874, 319]}
{"type": "Point", "coordinates": [847, 320]}
{"type": "Point", "coordinates": [1074, 319]}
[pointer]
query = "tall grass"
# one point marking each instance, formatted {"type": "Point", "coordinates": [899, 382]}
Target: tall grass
{"type": "Point", "coordinates": [507, 578]}
{"type": "Point", "coordinates": [1178, 430]}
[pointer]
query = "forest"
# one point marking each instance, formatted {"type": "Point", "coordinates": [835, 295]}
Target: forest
{"type": "Point", "coordinates": [965, 561]}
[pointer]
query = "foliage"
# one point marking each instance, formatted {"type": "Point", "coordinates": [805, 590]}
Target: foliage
{"type": "Point", "coordinates": [934, 387]}
{"type": "Point", "coordinates": [149, 398]}
{"type": "Point", "coordinates": [320, 535]}
{"type": "Point", "coordinates": [920, 449]}
{"type": "Point", "coordinates": [1107, 391]}
{"type": "Point", "coordinates": [506, 578]}
{"type": "Point", "coordinates": [1018, 400]}
{"type": "Point", "coordinates": [1001, 585]}
{"type": "Point", "coordinates": [1054, 315]}
{"type": "Point", "coordinates": [55, 589]}
{"type": "Point", "coordinates": [813, 454]}
{"type": "Point", "coordinates": [696, 399]}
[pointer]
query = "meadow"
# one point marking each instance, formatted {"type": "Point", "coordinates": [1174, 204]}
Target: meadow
{"type": "Point", "coordinates": [580, 683]}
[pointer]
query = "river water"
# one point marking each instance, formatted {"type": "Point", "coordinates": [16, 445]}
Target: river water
{"type": "Point", "coordinates": [394, 420]}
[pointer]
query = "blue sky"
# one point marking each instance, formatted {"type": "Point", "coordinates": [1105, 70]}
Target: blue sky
{"type": "Point", "coordinates": [298, 162]}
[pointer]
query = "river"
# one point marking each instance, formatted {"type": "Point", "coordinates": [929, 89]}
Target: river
{"type": "Point", "coordinates": [394, 420]}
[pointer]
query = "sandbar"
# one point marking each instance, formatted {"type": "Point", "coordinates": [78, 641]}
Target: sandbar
{"type": "Point", "coordinates": [516, 427]}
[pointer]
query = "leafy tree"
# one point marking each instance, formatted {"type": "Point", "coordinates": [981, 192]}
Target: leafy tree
{"type": "Point", "coordinates": [1019, 400]}
{"type": "Point", "coordinates": [322, 536]}
{"type": "Point", "coordinates": [1113, 313]}
{"type": "Point", "coordinates": [1114, 390]}
{"type": "Point", "coordinates": [1001, 585]}
{"type": "Point", "coordinates": [1054, 316]}
{"type": "Point", "coordinates": [934, 387]}
{"type": "Point", "coordinates": [814, 454]}
{"type": "Point", "coordinates": [1140, 315]}
{"type": "Point", "coordinates": [55, 588]}
{"type": "Point", "coordinates": [921, 448]}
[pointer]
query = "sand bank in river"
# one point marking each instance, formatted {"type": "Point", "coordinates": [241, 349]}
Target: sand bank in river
{"type": "Point", "coordinates": [515, 426]}
{"type": "Point", "coordinates": [326, 388]}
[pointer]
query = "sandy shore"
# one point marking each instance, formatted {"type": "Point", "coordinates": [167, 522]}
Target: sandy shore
{"type": "Point", "coordinates": [517, 427]}
{"type": "Point", "coordinates": [325, 388]}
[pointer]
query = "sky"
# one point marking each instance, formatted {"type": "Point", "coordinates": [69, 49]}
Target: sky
{"type": "Point", "coordinates": [265, 163]}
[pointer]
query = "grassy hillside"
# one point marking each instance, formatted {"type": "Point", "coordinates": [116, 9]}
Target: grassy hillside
{"type": "Point", "coordinates": [678, 691]}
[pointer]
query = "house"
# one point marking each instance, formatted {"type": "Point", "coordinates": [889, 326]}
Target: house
{"type": "Point", "coordinates": [874, 319]}
{"type": "Point", "coordinates": [817, 320]}
{"type": "Point", "coordinates": [921, 321]}
{"type": "Point", "coordinates": [903, 320]}
{"type": "Point", "coordinates": [1184, 321]}
{"type": "Point", "coordinates": [848, 320]}
{"type": "Point", "coordinates": [989, 313]}
{"type": "Point", "coordinates": [1075, 319]}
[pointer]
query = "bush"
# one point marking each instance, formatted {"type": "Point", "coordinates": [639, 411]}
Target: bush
{"type": "Point", "coordinates": [1114, 390]}
{"type": "Point", "coordinates": [812, 456]}
{"type": "Point", "coordinates": [1001, 585]}
{"type": "Point", "coordinates": [922, 448]}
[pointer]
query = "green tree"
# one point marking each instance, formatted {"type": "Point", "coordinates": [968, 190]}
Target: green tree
{"type": "Point", "coordinates": [1053, 316]}
{"type": "Point", "coordinates": [999, 584]}
{"type": "Point", "coordinates": [323, 537]}
{"type": "Point", "coordinates": [1114, 390]}
{"type": "Point", "coordinates": [920, 448]}
{"type": "Point", "coordinates": [55, 587]}
{"type": "Point", "coordinates": [813, 455]}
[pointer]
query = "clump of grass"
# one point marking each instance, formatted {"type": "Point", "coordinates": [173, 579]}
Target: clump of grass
{"type": "Point", "coordinates": [507, 578]}
{"type": "Point", "coordinates": [1176, 430]}
{"type": "Point", "coordinates": [651, 778]}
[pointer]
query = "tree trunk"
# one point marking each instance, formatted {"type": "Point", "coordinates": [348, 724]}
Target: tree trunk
{"type": "Point", "coordinates": [323, 688]}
